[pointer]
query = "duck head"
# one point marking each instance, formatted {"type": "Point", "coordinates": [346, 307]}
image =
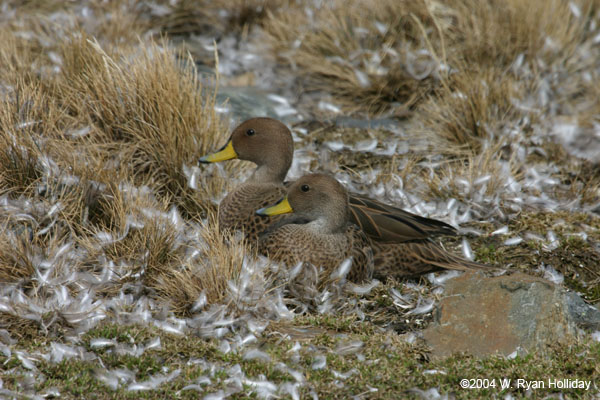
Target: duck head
{"type": "Point", "coordinates": [318, 199]}
{"type": "Point", "coordinates": [264, 141]}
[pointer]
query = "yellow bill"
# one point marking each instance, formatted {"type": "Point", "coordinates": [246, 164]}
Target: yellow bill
{"type": "Point", "coordinates": [226, 153]}
{"type": "Point", "coordinates": [282, 207]}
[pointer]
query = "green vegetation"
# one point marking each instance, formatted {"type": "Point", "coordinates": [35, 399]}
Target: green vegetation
{"type": "Point", "coordinates": [392, 367]}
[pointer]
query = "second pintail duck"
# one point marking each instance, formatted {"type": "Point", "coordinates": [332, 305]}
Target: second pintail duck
{"type": "Point", "coordinates": [318, 230]}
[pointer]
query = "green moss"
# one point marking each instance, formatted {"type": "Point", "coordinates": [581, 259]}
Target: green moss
{"type": "Point", "coordinates": [384, 367]}
{"type": "Point", "coordinates": [577, 258]}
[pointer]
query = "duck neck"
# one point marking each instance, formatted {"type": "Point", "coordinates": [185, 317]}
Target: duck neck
{"type": "Point", "coordinates": [273, 172]}
{"type": "Point", "coordinates": [333, 223]}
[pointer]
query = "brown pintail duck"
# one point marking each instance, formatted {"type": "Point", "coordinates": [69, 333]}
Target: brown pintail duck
{"type": "Point", "coordinates": [318, 231]}
{"type": "Point", "coordinates": [253, 141]}
{"type": "Point", "coordinates": [402, 244]}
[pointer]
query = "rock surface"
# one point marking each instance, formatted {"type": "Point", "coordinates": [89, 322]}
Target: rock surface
{"type": "Point", "coordinates": [480, 315]}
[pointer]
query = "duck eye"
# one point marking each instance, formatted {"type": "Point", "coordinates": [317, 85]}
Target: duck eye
{"type": "Point", "coordinates": [304, 188]}
{"type": "Point", "coordinates": [250, 132]}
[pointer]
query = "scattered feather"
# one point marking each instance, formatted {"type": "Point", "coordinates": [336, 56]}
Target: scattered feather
{"type": "Point", "coordinates": [501, 231]}
{"type": "Point", "coordinates": [513, 241]}
{"type": "Point", "coordinates": [551, 274]}
{"type": "Point", "coordinates": [467, 252]}
{"type": "Point", "coordinates": [256, 354]}
{"type": "Point", "coordinates": [423, 307]}
{"type": "Point", "coordinates": [319, 362]}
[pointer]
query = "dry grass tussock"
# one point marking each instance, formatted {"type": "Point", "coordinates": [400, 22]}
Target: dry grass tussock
{"type": "Point", "coordinates": [369, 55]}
{"type": "Point", "coordinates": [384, 55]}
{"type": "Point", "coordinates": [473, 110]}
{"type": "Point", "coordinates": [477, 176]}
{"type": "Point", "coordinates": [149, 113]}
{"type": "Point", "coordinates": [202, 275]}
{"type": "Point", "coordinates": [138, 236]}
{"type": "Point", "coordinates": [494, 33]}
{"type": "Point", "coordinates": [102, 119]}
{"type": "Point", "coordinates": [145, 116]}
{"type": "Point", "coordinates": [145, 249]}
{"type": "Point", "coordinates": [111, 218]}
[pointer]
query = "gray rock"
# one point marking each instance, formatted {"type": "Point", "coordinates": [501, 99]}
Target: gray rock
{"type": "Point", "coordinates": [584, 315]}
{"type": "Point", "coordinates": [374, 123]}
{"type": "Point", "coordinates": [481, 316]}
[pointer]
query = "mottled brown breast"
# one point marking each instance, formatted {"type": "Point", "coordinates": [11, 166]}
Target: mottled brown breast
{"type": "Point", "coordinates": [238, 209]}
{"type": "Point", "coordinates": [294, 243]}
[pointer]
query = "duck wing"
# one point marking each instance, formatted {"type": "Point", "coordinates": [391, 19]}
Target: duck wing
{"type": "Point", "coordinates": [387, 224]}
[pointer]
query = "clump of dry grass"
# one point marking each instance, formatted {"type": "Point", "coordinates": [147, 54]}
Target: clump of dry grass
{"type": "Point", "coordinates": [28, 118]}
{"type": "Point", "coordinates": [15, 263]}
{"type": "Point", "coordinates": [494, 33]}
{"type": "Point", "coordinates": [149, 113]}
{"type": "Point", "coordinates": [104, 141]}
{"type": "Point", "coordinates": [513, 63]}
{"type": "Point", "coordinates": [128, 229]}
{"type": "Point", "coordinates": [144, 116]}
{"type": "Point", "coordinates": [208, 273]}
{"type": "Point", "coordinates": [474, 177]}
{"type": "Point", "coordinates": [371, 55]}
{"type": "Point", "coordinates": [473, 109]}
{"type": "Point", "coordinates": [140, 239]}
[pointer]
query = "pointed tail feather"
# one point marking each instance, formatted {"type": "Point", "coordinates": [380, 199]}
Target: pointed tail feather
{"type": "Point", "coordinates": [413, 259]}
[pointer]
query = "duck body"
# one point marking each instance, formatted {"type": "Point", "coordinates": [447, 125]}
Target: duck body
{"type": "Point", "coordinates": [237, 211]}
{"type": "Point", "coordinates": [293, 243]}
{"type": "Point", "coordinates": [318, 230]}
